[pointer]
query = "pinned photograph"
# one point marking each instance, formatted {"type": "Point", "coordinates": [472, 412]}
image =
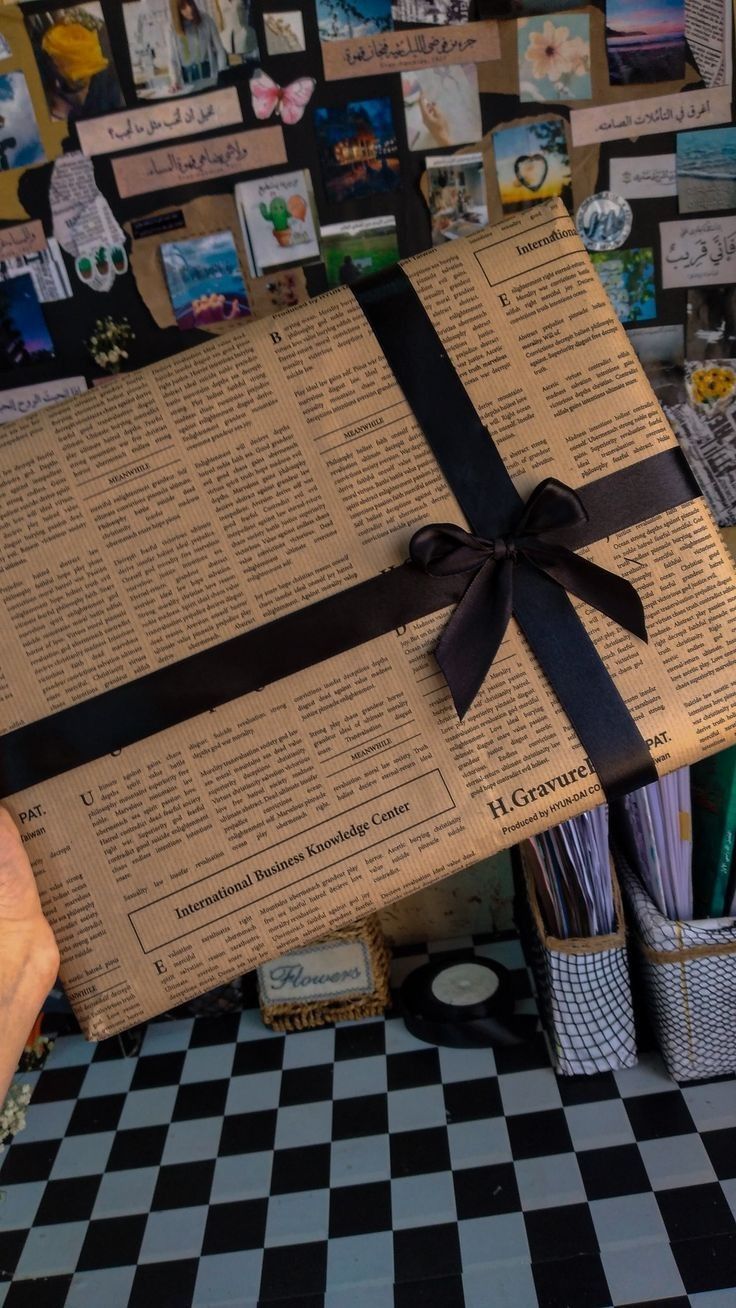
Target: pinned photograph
{"type": "Point", "coordinates": [75, 61]}
{"type": "Point", "coordinates": [645, 40]}
{"type": "Point", "coordinates": [353, 250]}
{"type": "Point", "coordinates": [706, 169]}
{"type": "Point", "coordinates": [180, 46]}
{"type": "Point", "coordinates": [628, 280]}
{"type": "Point", "coordinates": [554, 58]}
{"type": "Point", "coordinates": [284, 32]}
{"type": "Point", "coordinates": [20, 143]}
{"type": "Point", "coordinates": [532, 164]}
{"type": "Point", "coordinates": [431, 11]}
{"type": "Point", "coordinates": [341, 20]}
{"type": "Point", "coordinates": [277, 215]}
{"type": "Point", "coordinates": [711, 323]}
{"type": "Point", "coordinates": [205, 281]}
{"type": "Point", "coordinates": [358, 150]}
{"type": "Point", "coordinates": [442, 106]}
{"type": "Point", "coordinates": [661, 352]}
{"type": "Point", "coordinates": [458, 204]}
{"type": "Point", "coordinates": [24, 336]}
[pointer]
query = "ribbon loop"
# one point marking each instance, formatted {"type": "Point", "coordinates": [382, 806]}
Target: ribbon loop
{"type": "Point", "coordinates": [478, 624]}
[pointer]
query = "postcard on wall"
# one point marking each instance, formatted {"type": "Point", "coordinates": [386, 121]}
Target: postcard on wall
{"type": "Point", "coordinates": [25, 337]}
{"type": "Point", "coordinates": [554, 58]}
{"type": "Point", "coordinates": [661, 352]}
{"type": "Point", "coordinates": [458, 202]}
{"type": "Point", "coordinates": [643, 178]}
{"type": "Point", "coordinates": [698, 252]}
{"type": "Point", "coordinates": [628, 280]}
{"type": "Point", "coordinates": [355, 249]}
{"type": "Point", "coordinates": [442, 107]}
{"type": "Point", "coordinates": [706, 169]}
{"type": "Point", "coordinates": [431, 11]}
{"type": "Point", "coordinates": [277, 215]}
{"type": "Point", "coordinates": [358, 149]}
{"type": "Point", "coordinates": [47, 269]}
{"type": "Point", "coordinates": [22, 400]}
{"type": "Point", "coordinates": [651, 116]}
{"type": "Point", "coordinates": [150, 125]}
{"type": "Point", "coordinates": [532, 164]}
{"type": "Point", "coordinates": [20, 142]}
{"type": "Point", "coordinates": [175, 52]}
{"type": "Point", "coordinates": [645, 42]}
{"type": "Point", "coordinates": [205, 280]}
{"type": "Point", "coordinates": [710, 323]}
{"type": "Point", "coordinates": [75, 61]}
{"type": "Point", "coordinates": [284, 32]}
{"type": "Point", "coordinates": [341, 21]}
{"type": "Point", "coordinates": [181, 165]}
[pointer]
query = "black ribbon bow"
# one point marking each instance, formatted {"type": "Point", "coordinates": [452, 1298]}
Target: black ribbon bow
{"type": "Point", "coordinates": [474, 633]}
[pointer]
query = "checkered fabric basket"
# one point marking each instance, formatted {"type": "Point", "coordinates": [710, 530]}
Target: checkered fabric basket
{"type": "Point", "coordinates": [688, 970]}
{"type": "Point", "coordinates": [582, 987]}
{"type": "Point", "coordinates": [370, 1000]}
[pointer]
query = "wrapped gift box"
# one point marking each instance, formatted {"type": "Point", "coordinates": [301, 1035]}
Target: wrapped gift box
{"type": "Point", "coordinates": [226, 730]}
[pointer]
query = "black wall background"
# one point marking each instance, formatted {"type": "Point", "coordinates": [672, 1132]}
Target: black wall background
{"type": "Point", "coordinates": [72, 321]}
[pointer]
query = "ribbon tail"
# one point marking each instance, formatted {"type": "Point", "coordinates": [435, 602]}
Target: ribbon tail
{"type": "Point", "coordinates": [603, 590]}
{"type": "Point", "coordinates": [471, 639]}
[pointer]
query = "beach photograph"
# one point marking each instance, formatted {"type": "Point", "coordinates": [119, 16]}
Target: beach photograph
{"type": "Point", "coordinates": [204, 280]}
{"type": "Point", "coordinates": [645, 40]}
{"type": "Point", "coordinates": [706, 169]}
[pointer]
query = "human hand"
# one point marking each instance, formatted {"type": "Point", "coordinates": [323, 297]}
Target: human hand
{"type": "Point", "coordinates": [434, 120]}
{"type": "Point", "coordinates": [29, 957]}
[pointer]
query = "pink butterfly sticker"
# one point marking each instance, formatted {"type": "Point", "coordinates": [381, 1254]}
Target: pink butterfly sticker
{"type": "Point", "coordinates": [288, 101]}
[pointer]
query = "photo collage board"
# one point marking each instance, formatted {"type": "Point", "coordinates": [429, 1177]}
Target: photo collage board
{"type": "Point", "coordinates": [170, 169]}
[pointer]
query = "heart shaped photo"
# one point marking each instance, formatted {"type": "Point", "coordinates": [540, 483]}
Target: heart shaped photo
{"type": "Point", "coordinates": [531, 171]}
{"type": "Point", "coordinates": [532, 163]}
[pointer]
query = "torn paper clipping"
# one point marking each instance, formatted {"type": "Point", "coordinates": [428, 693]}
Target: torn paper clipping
{"type": "Point", "coordinates": [158, 170]}
{"type": "Point", "coordinates": [709, 32]}
{"type": "Point", "coordinates": [150, 125]}
{"type": "Point", "coordinates": [647, 117]}
{"type": "Point", "coordinates": [397, 52]}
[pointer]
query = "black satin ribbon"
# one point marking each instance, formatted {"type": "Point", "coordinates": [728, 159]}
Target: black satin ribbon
{"type": "Point", "coordinates": [471, 639]}
{"type": "Point", "coordinates": [479, 480]}
{"type": "Point", "coordinates": [200, 683]}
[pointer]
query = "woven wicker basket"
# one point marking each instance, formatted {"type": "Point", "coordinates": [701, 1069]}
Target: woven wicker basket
{"type": "Point", "coordinates": [583, 989]}
{"type": "Point", "coordinates": [370, 1000]}
{"type": "Point", "coordinates": [688, 970]}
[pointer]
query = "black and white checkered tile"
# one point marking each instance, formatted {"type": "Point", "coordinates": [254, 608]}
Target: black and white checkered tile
{"type": "Point", "coordinates": [357, 1168]}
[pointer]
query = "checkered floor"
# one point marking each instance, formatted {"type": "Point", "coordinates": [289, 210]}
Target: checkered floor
{"type": "Point", "coordinates": [357, 1168]}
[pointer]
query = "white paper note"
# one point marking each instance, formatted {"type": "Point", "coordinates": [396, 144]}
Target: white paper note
{"type": "Point", "coordinates": [662, 113]}
{"type": "Point", "coordinates": [22, 400]}
{"type": "Point", "coordinates": [644, 178]}
{"type": "Point", "coordinates": [698, 251]}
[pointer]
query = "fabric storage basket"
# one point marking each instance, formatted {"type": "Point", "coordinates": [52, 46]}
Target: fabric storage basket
{"type": "Point", "coordinates": [688, 971]}
{"type": "Point", "coordinates": [343, 977]}
{"type": "Point", "coordinates": [582, 987]}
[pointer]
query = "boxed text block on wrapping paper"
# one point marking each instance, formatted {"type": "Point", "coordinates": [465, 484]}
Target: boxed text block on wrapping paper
{"type": "Point", "coordinates": [213, 492]}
